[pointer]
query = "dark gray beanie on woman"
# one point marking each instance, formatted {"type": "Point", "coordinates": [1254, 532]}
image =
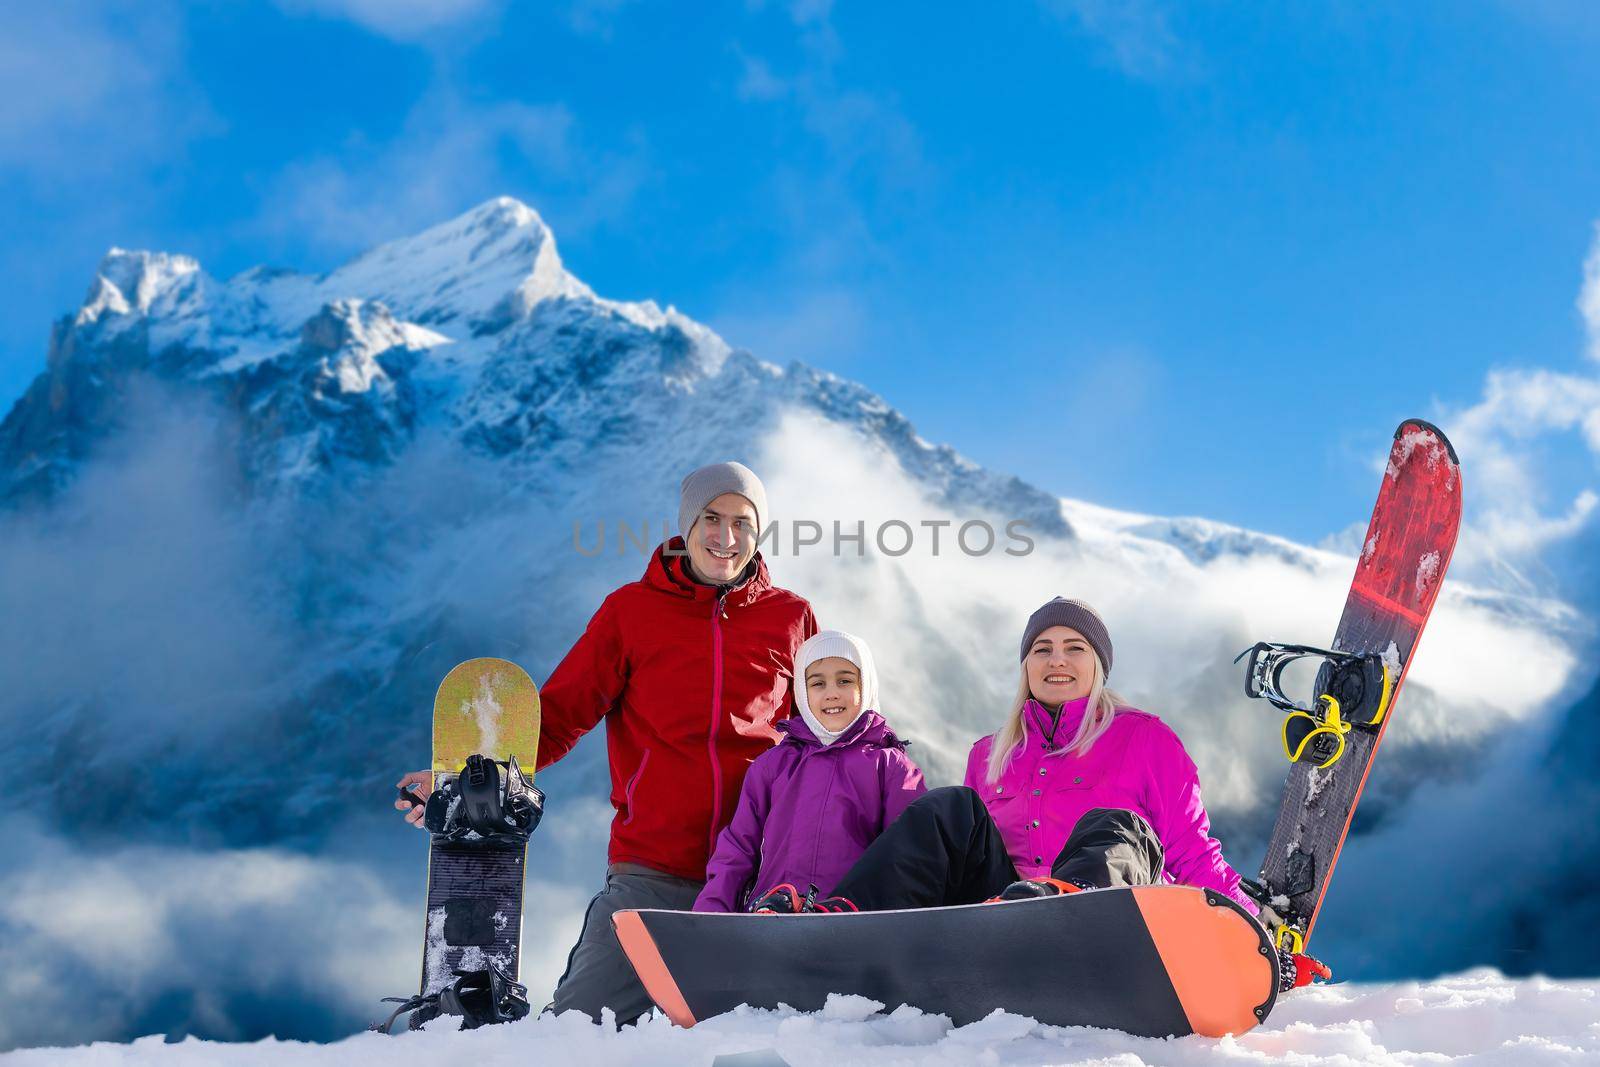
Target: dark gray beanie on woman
{"type": "Point", "coordinates": [1077, 615]}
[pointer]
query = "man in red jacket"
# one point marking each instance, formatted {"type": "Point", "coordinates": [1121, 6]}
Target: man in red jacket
{"type": "Point", "coordinates": [690, 667]}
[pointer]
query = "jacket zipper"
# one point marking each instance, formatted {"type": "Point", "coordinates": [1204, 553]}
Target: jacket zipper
{"type": "Point", "coordinates": [717, 615]}
{"type": "Point", "coordinates": [816, 840]}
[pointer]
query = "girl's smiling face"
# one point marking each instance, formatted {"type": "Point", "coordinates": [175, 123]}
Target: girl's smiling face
{"type": "Point", "coordinates": [1060, 666]}
{"type": "Point", "coordinates": [833, 691]}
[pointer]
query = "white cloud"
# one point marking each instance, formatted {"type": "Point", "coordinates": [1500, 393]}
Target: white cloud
{"type": "Point", "coordinates": [91, 91]}
{"type": "Point", "coordinates": [99, 942]}
{"type": "Point", "coordinates": [404, 20]}
{"type": "Point", "coordinates": [1521, 405]}
{"type": "Point", "coordinates": [1589, 296]}
{"type": "Point", "coordinates": [757, 82]}
{"type": "Point", "coordinates": [868, 138]}
{"type": "Point", "coordinates": [450, 154]}
{"type": "Point", "coordinates": [1504, 440]}
{"type": "Point", "coordinates": [98, 116]}
{"type": "Point", "coordinates": [860, 169]}
{"type": "Point", "coordinates": [94, 939]}
{"type": "Point", "coordinates": [814, 327]}
{"type": "Point", "coordinates": [1509, 523]}
{"type": "Point", "coordinates": [869, 143]}
{"type": "Point", "coordinates": [1136, 32]}
{"type": "Point", "coordinates": [943, 628]}
{"type": "Point", "coordinates": [1525, 531]}
{"type": "Point", "coordinates": [595, 18]}
{"type": "Point", "coordinates": [813, 19]}
{"type": "Point", "coordinates": [140, 559]}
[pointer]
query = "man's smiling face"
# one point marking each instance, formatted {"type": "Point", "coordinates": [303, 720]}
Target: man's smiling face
{"type": "Point", "coordinates": [723, 539]}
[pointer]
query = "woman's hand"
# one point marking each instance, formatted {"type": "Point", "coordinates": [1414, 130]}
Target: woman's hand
{"type": "Point", "coordinates": [414, 811]}
{"type": "Point", "coordinates": [1296, 969]}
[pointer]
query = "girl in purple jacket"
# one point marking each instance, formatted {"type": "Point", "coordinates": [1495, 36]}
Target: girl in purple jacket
{"type": "Point", "coordinates": [811, 805]}
{"type": "Point", "coordinates": [1076, 790]}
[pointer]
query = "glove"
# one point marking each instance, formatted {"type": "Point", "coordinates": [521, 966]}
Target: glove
{"type": "Point", "coordinates": [1296, 969]}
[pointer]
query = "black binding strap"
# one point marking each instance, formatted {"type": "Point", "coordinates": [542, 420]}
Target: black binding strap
{"type": "Point", "coordinates": [481, 998]}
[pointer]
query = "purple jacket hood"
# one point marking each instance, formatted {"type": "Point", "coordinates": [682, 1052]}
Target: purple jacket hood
{"type": "Point", "coordinates": [870, 728]}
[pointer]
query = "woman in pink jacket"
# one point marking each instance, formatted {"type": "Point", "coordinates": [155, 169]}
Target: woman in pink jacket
{"type": "Point", "coordinates": [1076, 790]}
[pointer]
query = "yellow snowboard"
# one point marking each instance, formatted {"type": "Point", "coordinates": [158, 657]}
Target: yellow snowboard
{"type": "Point", "coordinates": [487, 707]}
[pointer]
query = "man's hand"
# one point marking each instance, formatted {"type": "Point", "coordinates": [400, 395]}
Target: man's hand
{"type": "Point", "coordinates": [414, 811]}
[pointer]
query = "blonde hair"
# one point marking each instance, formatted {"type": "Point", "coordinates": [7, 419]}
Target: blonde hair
{"type": "Point", "coordinates": [1097, 715]}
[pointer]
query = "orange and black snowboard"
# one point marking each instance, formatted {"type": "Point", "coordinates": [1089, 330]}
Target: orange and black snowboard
{"type": "Point", "coordinates": [1154, 960]}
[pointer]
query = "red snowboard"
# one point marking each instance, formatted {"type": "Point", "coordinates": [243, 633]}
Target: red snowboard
{"type": "Point", "coordinates": [1403, 561]}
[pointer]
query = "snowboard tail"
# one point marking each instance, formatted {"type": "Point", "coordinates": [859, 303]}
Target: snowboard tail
{"type": "Point", "coordinates": [1155, 961]}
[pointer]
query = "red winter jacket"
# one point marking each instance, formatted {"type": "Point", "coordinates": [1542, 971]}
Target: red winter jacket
{"type": "Point", "coordinates": [691, 684]}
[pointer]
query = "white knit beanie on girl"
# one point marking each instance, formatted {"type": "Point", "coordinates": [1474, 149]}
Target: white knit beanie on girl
{"type": "Point", "coordinates": [845, 646]}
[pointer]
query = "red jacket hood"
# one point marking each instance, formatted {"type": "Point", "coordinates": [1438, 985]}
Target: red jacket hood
{"type": "Point", "coordinates": [667, 571]}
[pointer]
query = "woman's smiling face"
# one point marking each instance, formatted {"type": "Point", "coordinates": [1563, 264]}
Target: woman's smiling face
{"type": "Point", "coordinates": [1060, 666]}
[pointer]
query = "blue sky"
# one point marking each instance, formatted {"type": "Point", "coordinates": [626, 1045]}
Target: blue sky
{"type": "Point", "coordinates": [1190, 259]}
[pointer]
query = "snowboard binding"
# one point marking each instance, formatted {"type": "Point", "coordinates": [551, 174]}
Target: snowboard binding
{"type": "Point", "coordinates": [482, 998]}
{"type": "Point", "coordinates": [1351, 691]}
{"type": "Point", "coordinates": [486, 801]}
{"type": "Point", "coordinates": [1285, 926]}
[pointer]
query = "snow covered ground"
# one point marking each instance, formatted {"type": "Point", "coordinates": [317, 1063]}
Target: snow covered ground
{"type": "Point", "coordinates": [1480, 1017]}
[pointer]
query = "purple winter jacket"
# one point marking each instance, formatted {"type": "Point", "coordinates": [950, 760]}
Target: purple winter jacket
{"type": "Point", "coordinates": [1138, 764]}
{"type": "Point", "coordinates": [808, 811]}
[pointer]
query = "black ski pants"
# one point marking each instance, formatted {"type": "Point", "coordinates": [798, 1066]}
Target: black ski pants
{"type": "Point", "coordinates": [945, 849]}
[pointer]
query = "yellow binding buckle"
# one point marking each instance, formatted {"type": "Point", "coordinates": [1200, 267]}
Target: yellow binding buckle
{"type": "Point", "coordinates": [1297, 943]}
{"type": "Point", "coordinates": [1383, 700]}
{"type": "Point", "coordinates": [1330, 724]}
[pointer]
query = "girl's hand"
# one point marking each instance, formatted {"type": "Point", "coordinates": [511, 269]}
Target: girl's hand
{"type": "Point", "coordinates": [414, 811]}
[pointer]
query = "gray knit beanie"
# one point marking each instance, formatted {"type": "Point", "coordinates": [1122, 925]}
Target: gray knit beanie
{"type": "Point", "coordinates": [1080, 617]}
{"type": "Point", "coordinates": [703, 486]}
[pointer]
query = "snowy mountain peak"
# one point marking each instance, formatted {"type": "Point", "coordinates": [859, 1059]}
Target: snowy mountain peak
{"type": "Point", "coordinates": [472, 327]}
{"type": "Point", "coordinates": [136, 282]}
{"type": "Point", "coordinates": [474, 274]}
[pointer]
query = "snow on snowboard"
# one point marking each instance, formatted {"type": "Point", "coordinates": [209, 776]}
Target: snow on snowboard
{"type": "Point", "coordinates": [1153, 960]}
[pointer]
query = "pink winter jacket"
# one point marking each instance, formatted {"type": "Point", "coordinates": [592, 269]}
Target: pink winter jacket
{"type": "Point", "coordinates": [1138, 764]}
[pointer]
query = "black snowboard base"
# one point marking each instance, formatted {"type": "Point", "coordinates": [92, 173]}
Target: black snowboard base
{"type": "Point", "coordinates": [474, 909]}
